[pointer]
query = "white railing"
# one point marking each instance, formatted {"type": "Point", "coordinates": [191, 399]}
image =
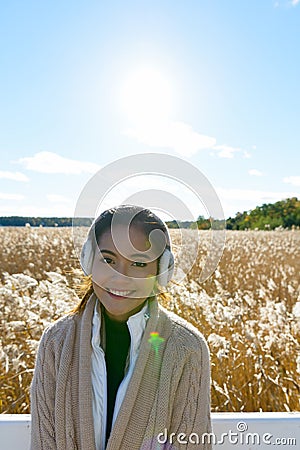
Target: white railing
{"type": "Point", "coordinates": [239, 431]}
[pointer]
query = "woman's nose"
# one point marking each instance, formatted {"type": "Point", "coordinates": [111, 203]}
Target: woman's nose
{"type": "Point", "coordinates": [122, 270]}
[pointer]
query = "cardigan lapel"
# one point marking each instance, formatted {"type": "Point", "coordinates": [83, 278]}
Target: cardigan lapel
{"type": "Point", "coordinates": [86, 424]}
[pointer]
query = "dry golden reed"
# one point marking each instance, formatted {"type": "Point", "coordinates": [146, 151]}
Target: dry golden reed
{"type": "Point", "coordinates": [248, 310]}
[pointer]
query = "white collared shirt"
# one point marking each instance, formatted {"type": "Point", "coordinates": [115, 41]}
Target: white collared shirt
{"type": "Point", "coordinates": [136, 326]}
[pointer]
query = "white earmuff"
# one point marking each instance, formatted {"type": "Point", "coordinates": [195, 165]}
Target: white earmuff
{"type": "Point", "coordinates": [88, 252]}
{"type": "Point", "coordinates": [165, 268]}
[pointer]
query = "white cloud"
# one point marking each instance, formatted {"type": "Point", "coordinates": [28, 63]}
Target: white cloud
{"type": "Point", "coordinates": [5, 196]}
{"type": "Point", "coordinates": [178, 136]}
{"type": "Point", "coordinates": [174, 198]}
{"type": "Point", "coordinates": [294, 180]}
{"type": "Point", "coordinates": [49, 162]}
{"type": "Point", "coordinates": [56, 198]}
{"type": "Point", "coordinates": [226, 151]}
{"type": "Point", "coordinates": [246, 154]}
{"type": "Point", "coordinates": [16, 176]}
{"type": "Point", "coordinates": [255, 172]}
{"type": "Point", "coordinates": [286, 3]}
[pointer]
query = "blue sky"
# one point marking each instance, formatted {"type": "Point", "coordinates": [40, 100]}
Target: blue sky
{"type": "Point", "coordinates": [84, 83]}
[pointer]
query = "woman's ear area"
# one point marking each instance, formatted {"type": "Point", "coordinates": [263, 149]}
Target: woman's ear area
{"type": "Point", "coordinates": [87, 257]}
{"type": "Point", "coordinates": [165, 268]}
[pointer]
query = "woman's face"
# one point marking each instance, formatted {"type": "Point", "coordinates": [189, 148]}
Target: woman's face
{"type": "Point", "coordinates": [123, 280]}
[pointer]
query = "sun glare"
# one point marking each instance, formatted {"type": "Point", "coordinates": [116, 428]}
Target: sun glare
{"type": "Point", "coordinates": [146, 96]}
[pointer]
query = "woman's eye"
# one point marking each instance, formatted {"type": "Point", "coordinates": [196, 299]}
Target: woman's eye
{"type": "Point", "coordinates": [139, 264]}
{"type": "Point", "coordinates": [106, 260]}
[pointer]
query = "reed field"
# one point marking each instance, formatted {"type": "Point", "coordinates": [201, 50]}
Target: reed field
{"type": "Point", "coordinates": [248, 310]}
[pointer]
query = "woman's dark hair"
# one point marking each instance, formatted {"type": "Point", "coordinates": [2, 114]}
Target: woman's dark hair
{"type": "Point", "coordinates": [133, 215]}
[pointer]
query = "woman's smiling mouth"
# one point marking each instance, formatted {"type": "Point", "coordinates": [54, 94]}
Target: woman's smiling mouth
{"type": "Point", "coordinates": [115, 293]}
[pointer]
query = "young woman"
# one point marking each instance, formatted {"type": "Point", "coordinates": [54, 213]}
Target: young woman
{"type": "Point", "coordinates": [121, 372]}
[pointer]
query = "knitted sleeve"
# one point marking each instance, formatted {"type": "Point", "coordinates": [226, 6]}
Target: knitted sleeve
{"type": "Point", "coordinates": [43, 398]}
{"type": "Point", "coordinates": [191, 422]}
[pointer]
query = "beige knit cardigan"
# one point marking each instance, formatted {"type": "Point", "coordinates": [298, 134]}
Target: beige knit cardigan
{"type": "Point", "coordinates": [169, 388]}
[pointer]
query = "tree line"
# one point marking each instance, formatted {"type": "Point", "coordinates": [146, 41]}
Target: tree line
{"type": "Point", "coordinates": [269, 216]}
{"type": "Point", "coordinates": [18, 221]}
{"type": "Point", "coordinates": [282, 214]}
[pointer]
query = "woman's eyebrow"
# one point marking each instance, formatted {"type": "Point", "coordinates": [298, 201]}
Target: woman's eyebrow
{"type": "Point", "coordinates": [131, 257]}
{"type": "Point", "coordinates": [141, 255]}
{"type": "Point", "coordinates": [103, 250]}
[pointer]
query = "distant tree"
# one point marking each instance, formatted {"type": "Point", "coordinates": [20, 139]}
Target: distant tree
{"type": "Point", "coordinates": [284, 213]}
